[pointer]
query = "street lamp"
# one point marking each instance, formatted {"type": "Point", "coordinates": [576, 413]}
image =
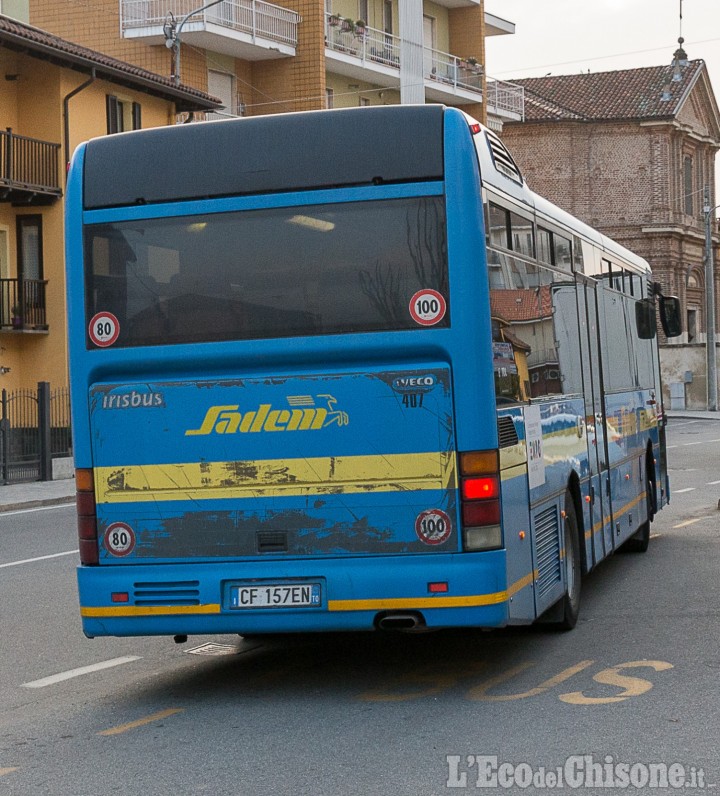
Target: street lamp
{"type": "Point", "coordinates": [172, 31]}
{"type": "Point", "coordinates": [710, 305]}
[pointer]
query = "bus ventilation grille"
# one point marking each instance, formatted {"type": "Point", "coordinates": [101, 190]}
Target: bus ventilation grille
{"type": "Point", "coordinates": [272, 542]}
{"type": "Point", "coordinates": [181, 592]}
{"type": "Point", "coordinates": [502, 159]}
{"type": "Point", "coordinates": [507, 434]}
{"type": "Point", "coordinates": [547, 539]}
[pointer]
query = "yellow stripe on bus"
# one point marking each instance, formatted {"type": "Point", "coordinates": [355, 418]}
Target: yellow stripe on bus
{"type": "Point", "coordinates": [147, 610]}
{"type": "Point", "coordinates": [393, 472]}
{"type": "Point", "coordinates": [376, 604]}
{"type": "Point", "coordinates": [600, 525]}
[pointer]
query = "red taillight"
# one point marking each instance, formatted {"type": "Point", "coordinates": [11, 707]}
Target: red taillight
{"type": "Point", "coordinates": [480, 499]}
{"type": "Point", "coordinates": [483, 488]}
{"type": "Point", "coordinates": [87, 517]}
{"type": "Point", "coordinates": [482, 512]}
{"type": "Point", "coordinates": [475, 129]}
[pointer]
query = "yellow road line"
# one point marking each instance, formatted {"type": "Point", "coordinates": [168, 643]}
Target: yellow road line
{"type": "Point", "coordinates": [4, 771]}
{"type": "Point", "coordinates": [687, 522]}
{"type": "Point", "coordinates": [163, 714]}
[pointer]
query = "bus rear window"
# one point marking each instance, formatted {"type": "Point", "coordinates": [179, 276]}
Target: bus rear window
{"type": "Point", "coordinates": [285, 272]}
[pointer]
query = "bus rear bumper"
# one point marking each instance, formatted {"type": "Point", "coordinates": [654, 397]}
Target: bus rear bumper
{"type": "Point", "coordinates": [453, 590]}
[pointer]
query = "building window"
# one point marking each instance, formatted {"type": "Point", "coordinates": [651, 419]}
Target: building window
{"type": "Point", "coordinates": [222, 86]}
{"type": "Point", "coordinates": [691, 324]}
{"type": "Point", "coordinates": [29, 244]}
{"type": "Point", "coordinates": [387, 16]}
{"type": "Point", "coordinates": [363, 101]}
{"type": "Point", "coordinates": [688, 184]}
{"type": "Point", "coordinates": [122, 115]}
{"type": "Point", "coordinates": [329, 98]}
{"type": "Point", "coordinates": [363, 11]}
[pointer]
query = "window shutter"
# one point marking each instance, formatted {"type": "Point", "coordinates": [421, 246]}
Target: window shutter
{"type": "Point", "coordinates": [111, 110]}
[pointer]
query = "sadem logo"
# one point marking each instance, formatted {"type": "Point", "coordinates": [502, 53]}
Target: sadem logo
{"type": "Point", "coordinates": [304, 415]}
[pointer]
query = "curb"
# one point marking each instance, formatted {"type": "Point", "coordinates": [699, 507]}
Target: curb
{"type": "Point", "coordinates": [34, 504]}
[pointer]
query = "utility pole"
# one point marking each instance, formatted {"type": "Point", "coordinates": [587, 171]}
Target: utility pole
{"type": "Point", "coordinates": [710, 306]}
{"type": "Point", "coordinates": [172, 31]}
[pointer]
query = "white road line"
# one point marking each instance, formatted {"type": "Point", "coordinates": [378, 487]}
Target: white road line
{"type": "Point", "coordinates": [688, 489]}
{"type": "Point", "coordinates": [712, 483]}
{"type": "Point", "coordinates": [37, 508]}
{"type": "Point", "coordinates": [688, 444]}
{"type": "Point", "coordinates": [39, 558]}
{"type": "Point", "coordinates": [95, 667]}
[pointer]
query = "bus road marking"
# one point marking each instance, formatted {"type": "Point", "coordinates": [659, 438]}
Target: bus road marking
{"type": "Point", "coordinates": [4, 771]}
{"type": "Point", "coordinates": [686, 523]}
{"type": "Point", "coordinates": [95, 667]}
{"type": "Point", "coordinates": [39, 558]}
{"type": "Point", "coordinates": [687, 489]}
{"type": "Point", "coordinates": [630, 686]}
{"type": "Point", "coordinates": [131, 725]}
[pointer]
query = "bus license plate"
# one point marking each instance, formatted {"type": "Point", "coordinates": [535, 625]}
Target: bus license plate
{"type": "Point", "coordinates": [276, 595]}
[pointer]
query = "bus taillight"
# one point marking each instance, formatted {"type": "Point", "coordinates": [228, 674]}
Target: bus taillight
{"type": "Point", "coordinates": [87, 518]}
{"type": "Point", "coordinates": [480, 500]}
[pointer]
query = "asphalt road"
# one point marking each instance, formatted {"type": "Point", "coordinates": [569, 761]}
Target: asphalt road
{"type": "Point", "coordinates": [631, 692]}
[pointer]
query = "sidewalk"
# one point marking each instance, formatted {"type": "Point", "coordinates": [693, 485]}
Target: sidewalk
{"type": "Point", "coordinates": [50, 493]}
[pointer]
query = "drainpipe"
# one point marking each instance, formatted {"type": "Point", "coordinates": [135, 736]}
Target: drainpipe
{"type": "Point", "coordinates": [66, 115]}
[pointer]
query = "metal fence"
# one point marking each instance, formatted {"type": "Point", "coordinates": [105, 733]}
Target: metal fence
{"type": "Point", "coordinates": [34, 428]}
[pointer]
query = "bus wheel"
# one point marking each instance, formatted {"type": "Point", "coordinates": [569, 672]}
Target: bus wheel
{"type": "Point", "coordinates": [639, 542]}
{"type": "Point", "coordinates": [573, 574]}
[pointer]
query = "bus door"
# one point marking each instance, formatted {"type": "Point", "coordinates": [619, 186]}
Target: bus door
{"type": "Point", "coordinates": [602, 538]}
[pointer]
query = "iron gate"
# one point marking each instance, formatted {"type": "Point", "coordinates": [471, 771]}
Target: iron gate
{"type": "Point", "coordinates": [34, 426]}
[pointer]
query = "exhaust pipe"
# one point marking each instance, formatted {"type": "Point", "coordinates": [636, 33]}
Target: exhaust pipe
{"type": "Point", "coordinates": [406, 621]}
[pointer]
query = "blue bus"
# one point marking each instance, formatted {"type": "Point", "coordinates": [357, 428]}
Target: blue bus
{"type": "Point", "coordinates": [343, 370]}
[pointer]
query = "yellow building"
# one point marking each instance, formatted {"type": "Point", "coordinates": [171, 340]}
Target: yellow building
{"type": "Point", "coordinates": [53, 95]}
{"type": "Point", "coordinates": [260, 57]}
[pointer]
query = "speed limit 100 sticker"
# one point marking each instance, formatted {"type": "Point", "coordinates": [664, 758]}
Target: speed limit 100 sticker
{"type": "Point", "coordinates": [119, 539]}
{"type": "Point", "coordinates": [433, 526]}
{"type": "Point", "coordinates": [104, 329]}
{"type": "Point", "coordinates": [427, 307]}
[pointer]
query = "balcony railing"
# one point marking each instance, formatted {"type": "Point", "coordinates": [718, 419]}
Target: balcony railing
{"type": "Point", "coordinates": [22, 304]}
{"type": "Point", "coordinates": [27, 165]}
{"type": "Point", "coordinates": [505, 99]}
{"type": "Point", "coordinates": [253, 17]}
{"type": "Point", "coordinates": [375, 47]}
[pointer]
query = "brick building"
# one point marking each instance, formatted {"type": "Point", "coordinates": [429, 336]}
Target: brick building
{"type": "Point", "coordinates": [297, 55]}
{"type": "Point", "coordinates": [631, 152]}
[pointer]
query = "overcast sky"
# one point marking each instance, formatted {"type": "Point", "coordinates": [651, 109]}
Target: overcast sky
{"type": "Point", "coordinates": [564, 37]}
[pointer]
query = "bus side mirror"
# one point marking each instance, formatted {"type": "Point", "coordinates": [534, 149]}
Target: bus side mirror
{"type": "Point", "coordinates": [670, 315]}
{"type": "Point", "coordinates": [645, 319]}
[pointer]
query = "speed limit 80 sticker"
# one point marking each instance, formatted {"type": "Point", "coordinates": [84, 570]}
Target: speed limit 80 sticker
{"type": "Point", "coordinates": [104, 329]}
{"type": "Point", "coordinates": [428, 307]}
{"type": "Point", "coordinates": [119, 539]}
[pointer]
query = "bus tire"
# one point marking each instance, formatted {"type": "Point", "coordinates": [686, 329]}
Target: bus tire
{"type": "Point", "coordinates": [640, 540]}
{"type": "Point", "coordinates": [573, 569]}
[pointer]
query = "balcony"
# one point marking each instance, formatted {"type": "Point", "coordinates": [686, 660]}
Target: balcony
{"type": "Point", "coordinates": [372, 55]}
{"type": "Point", "coordinates": [22, 305]}
{"type": "Point", "coordinates": [248, 29]}
{"type": "Point", "coordinates": [505, 100]}
{"type": "Point", "coordinates": [28, 170]}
